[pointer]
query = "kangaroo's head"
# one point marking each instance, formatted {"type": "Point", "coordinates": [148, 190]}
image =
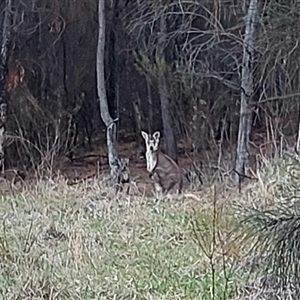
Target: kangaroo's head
{"type": "Point", "coordinates": [152, 141]}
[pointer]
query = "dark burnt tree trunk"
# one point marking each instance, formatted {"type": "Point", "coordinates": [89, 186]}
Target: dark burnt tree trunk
{"type": "Point", "coordinates": [168, 124]}
{"type": "Point", "coordinates": [5, 41]}
{"type": "Point", "coordinates": [245, 123]}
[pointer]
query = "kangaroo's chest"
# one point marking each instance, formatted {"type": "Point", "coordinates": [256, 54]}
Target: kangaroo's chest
{"type": "Point", "coordinates": [151, 161]}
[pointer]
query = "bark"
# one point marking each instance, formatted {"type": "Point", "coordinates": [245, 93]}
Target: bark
{"type": "Point", "coordinates": [6, 37]}
{"type": "Point", "coordinates": [168, 124]}
{"type": "Point", "coordinates": [242, 158]}
{"type": "Point", "coordinates": [298, 134]}
{"type": "Point", "coordinates": [150, 106]}
{"type": "Point", "coordinates": [113, 158]}
{"type": "Point", "coordinates": [138, 117]}
{"type": "Point", "coordinates": [171, 147]}
{"type": "Point", "coordinates": [112, 63]}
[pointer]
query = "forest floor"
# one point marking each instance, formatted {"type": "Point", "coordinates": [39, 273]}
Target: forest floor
{"type": "Point", "coordinates": [70, 237]}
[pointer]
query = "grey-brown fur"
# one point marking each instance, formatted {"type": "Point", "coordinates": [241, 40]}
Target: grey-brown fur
{"type": "Point", "coordinates": [163, 170]}
{"type": "Point", "coordinates": [120, 172]}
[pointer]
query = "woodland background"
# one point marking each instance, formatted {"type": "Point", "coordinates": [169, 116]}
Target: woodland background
{"type": "Point", "coordinates": [185, 75]}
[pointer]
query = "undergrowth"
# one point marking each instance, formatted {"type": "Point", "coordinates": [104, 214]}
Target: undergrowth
{"type": "Point", "coordinates": [86, 242]}
{"type": "Point", "coordinates": [271, 218]}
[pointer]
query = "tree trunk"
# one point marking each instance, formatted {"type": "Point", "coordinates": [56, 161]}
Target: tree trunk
{"type": "Point", "coordinates": [112, 81]}
{"type": "Point", "coordinates": [168, 124]}
{"type": "Point", "coordinates": [171, 147]}
{"type": "Point", "coordinates": [136, 103]}
{"type": "Point", "coordinates": [150, 105]}
{"type": "Point", "coordinates": [242, 158]}
{"type": "Point", "coordinates": [6, 36]}
{"type": "Point", "coordinates": [113, 157]}
{"type": "Point", "coordinates": [298, 135]}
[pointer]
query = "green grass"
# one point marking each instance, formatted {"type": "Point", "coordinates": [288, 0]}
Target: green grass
{"type": "Point", "coordinates": [81, 242]}
{"type": "Point", "coordinates": [86, 242]}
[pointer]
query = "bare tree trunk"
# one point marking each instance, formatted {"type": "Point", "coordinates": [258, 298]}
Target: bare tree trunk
{"type": "Point", "coordinates": [150, 106]}
{"type": "Point", "coordinates": [136, 103]}
{"type": "Point", "coordinates": [242, 158]}
{"type": "Point", "coordinates": [298, 135]}
{"type": "Point", "coordinates": [168, 124]}
{"type": "Point", "coordinates": [112, 79]}
{"type": "Point", "coordinates": [6, 36]}
{"type": "Point", "coordinates": [171, 147]}
{"type": "Point", "coordinates": [113, 158]}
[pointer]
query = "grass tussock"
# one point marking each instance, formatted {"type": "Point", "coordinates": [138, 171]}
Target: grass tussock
{"type": "Point", "coordinates": [271, 222]}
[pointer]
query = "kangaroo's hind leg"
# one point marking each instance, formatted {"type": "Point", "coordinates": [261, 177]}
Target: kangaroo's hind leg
{"type": "Point", "coordinates": [170, 185]}
{"type": "Point", "coordinates": [159, 189]}
{"type": "Point", "coordinates": [178, 188]}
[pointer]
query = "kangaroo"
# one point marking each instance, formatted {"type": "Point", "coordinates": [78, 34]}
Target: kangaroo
{"type": "Point", "coordinates": [120, 171]}
{"type": "Point", "coordinates": [124, 173]}
{"type": "Point", "coordinates": [119, 174]}
{"type": "Point", "coordinates": [163, 170]}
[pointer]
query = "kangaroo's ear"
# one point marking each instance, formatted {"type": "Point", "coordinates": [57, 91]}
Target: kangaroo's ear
{"type": "Point", "coordinates": [144, 135]}
{"type": "Point", "coordinates": [156, 135]}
